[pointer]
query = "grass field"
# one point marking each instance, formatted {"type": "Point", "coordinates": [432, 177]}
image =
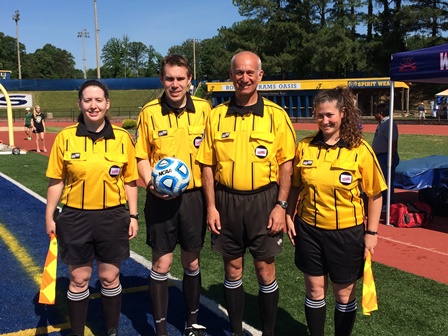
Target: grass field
{"type": "Point", "coordinates": [408, 304]}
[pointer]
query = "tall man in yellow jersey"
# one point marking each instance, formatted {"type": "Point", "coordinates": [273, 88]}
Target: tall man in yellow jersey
{"type": "Point", "coordinates": [173, 126]}
{"type": "Point", "coordinates": [247, 157]}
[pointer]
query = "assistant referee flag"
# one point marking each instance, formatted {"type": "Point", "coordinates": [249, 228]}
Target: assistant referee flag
{"type": "Point", "coordinates": [369, 299]}
{"type": "Point", "coordinates": [47, 294]}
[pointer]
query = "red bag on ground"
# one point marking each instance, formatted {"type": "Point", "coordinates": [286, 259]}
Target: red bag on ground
{"type": "Point", "coordinates": [416, 214]}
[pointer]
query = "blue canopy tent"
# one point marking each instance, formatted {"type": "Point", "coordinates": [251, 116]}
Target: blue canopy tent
{"type": "Point", "coordinates": [428, 65]}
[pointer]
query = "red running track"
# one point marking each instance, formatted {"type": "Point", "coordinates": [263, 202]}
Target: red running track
{"type": "Point", "coordinates": [422, 251]}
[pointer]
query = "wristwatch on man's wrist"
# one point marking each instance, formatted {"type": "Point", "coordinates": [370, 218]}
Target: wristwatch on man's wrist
{"type": "Point", "coordinates": [136, 216]}
{"type": "Point", "coordinates": [283, 204]}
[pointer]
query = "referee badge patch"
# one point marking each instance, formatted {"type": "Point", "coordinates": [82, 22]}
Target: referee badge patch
{"type": "Point", "coordinates": [197, 141]}
{"type": "Point", "coordinates": [162, 133]}
{"type": "Point", "coordinates": [345, 178]}
{"type": "Point", "coordinates": [75, 155]}
{"type": "Point", "coordinates": [261, 152]}
{"type": "Point", "coordinates": [307, 162]}
{"type": "Point", "coordinates": [225, 135]}
{"type": "Point", "coordinates": [114, 171]}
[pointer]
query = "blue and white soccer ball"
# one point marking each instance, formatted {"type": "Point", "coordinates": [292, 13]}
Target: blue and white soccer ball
{"type": "Point", "coordinates": [170, 176]}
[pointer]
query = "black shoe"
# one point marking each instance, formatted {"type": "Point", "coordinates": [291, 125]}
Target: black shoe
{"type": "Point", "coordinates": [112, 332]}
{"type": "Point", "coordinates": [195, 330]}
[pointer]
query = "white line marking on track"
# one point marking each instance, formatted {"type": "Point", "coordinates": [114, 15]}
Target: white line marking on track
{"type": "Point", "coordinates": [415, 246]}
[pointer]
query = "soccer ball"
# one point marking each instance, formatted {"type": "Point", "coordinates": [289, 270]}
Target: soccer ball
{"type": "Point", "coordinates": [170, 176]}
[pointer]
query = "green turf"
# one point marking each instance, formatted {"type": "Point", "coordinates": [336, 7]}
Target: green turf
{"type": "Point", "coordinates": [408, 304]}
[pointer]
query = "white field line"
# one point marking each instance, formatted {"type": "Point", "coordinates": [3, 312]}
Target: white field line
{"type": "Point", "coordinates": [217, 309]}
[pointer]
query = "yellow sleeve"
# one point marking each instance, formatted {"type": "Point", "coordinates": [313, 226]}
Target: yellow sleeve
{"type": "Point", "coordinates": [56, 168]}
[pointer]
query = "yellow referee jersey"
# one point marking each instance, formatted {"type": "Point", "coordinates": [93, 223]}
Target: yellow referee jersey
{"type": "Point", "coordinates": [331, 180]}
{"type": "Point", "coordinates": [94, 172]}
{"type": "Point", "coordinates": [247, 148]}
{"type": "Point", "coordinates": [165, 133]}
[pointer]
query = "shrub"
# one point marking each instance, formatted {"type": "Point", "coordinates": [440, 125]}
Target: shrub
{"type": "Point", "coordinates": [129, 123]}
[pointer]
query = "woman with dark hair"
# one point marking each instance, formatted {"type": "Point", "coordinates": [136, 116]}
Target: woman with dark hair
{"type": "Point", "coordinates": [325, 216]}
{"type": "Point", "coordinates": [93, 173]}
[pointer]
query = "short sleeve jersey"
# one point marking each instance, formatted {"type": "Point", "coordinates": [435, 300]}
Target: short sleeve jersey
{"type": "Point", "coordinates": [28, 117]}
{"type": "Point", "coordinates": [163, 132]}
{"type": "Point", "coordinates": [247, 149]}
{"type": "Point", "coordinates": [94, 172]}
{"type": "Point", "coordinates": [380, 142]}
{"type": "Point", "coordinates": [330, 180]}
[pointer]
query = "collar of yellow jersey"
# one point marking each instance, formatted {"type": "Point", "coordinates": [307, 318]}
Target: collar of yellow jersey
{"type": "Point", "coordinates": [319, 140]}
{"type": "Point", "coordinates": [107, 132]}
{"type": "Point", "coordinates": [166, 109]}
{"type": "Point", "coordinates": [256, 109]}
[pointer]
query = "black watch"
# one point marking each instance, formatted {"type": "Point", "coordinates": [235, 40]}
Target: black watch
{"type": "Point", "coordinates": [283, 204]}
{"type": "Point", "coordinates": [372, 233]}
{"type": "Point", "coordinates": [136, 216]}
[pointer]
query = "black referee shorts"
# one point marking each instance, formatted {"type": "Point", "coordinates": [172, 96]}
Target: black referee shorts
{"type": "Point", "coordinates": [85, 235]}
{"type": "Point", "coordinates": [244, 220]}
{"type": "Point", "coordinates": [339, 253]}
{"type": "Point", "coordinates": [177, 221]}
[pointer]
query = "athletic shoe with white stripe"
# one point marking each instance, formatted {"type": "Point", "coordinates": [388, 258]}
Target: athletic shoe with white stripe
{"type": "Point", "coordinates": [195, 330]}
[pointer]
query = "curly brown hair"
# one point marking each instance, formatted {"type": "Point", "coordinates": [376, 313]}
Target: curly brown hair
{"type": "Point", "coordinates": [350, 131]}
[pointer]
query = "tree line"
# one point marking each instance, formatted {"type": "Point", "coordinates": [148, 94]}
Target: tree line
{"type": "Point", "coordinates": [296, 39]}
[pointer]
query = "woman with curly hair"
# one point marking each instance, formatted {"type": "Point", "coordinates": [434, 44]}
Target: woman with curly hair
{"type": "Point", "coordinates": [325, 216]}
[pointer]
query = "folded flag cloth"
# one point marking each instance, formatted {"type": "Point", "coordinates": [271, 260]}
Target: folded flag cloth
{"type": "Point", "coordinates": [369, 299]}
{"type": "Point", "coordinates": [47, 294]}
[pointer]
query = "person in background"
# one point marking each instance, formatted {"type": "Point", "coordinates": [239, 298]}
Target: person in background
{"type": "Point", "coordinates": [432, 107]}
{"type": "Point", "coordinates": [247, 157]}
{"type": "Point", "coordinates": [173, 126]}
{"type": "Point", "coordinates": [38, 125]}
{"type": "Point", "coordinates": [325, 215]}
{"type": "Point", "coordinates": [97, 157]}
{"type": "Point", "coordinates": [380, 146]}
{"type": "Point", "coordinates": [27, 123]}
{"type": "Point", "coordinates": [421, 113]}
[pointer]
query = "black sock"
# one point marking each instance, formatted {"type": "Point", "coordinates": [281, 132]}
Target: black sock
{"type": "Point", "coordinates": [111, 303]}
{"type": "Point", "coordinates": [78, 303]}
{"type": "Point", "coordinates": [158, 291]}
{"type": "Point", "coordinates": [191, 287]}
{"type": "Point", "coordinates": [234, 298]}
{"type": "Point", "coordinates": [344, 318]}
{"type": "Point", "coordinates": [315, 312]}
{"type": "Point", "coordinates": [268, 302]}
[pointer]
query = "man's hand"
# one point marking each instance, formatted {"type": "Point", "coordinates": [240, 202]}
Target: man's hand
{"type": "Point", "coordinates": [213, 221]}
{"type": "Point", "coordinates": [277, 220]}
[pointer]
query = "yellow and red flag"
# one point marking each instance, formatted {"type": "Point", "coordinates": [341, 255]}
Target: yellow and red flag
{"type": "Point", "coordinates": [47, 294]}
{"type": "Point", "coordinates": [369, 299]}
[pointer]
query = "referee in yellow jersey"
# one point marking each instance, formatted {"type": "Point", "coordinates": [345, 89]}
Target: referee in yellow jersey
{"type": "Point", "coordinates": [93, 172]}
{"type": "Point", "coordinates": [173, 126]}
{"type": "Point", "coordinates": [247, 158]}
{"type": "Point", "coordinates": [331, 169]}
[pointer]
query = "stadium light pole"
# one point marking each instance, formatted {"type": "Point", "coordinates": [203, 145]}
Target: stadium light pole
{"type": "Point", "coordinates": [83, 33]}
{"type": "Point", "coordinates": [194, 58]}
{"type": "Point", "coordinates": [98, 71]}
{"type": "Point", "coordinates": [16, 18]}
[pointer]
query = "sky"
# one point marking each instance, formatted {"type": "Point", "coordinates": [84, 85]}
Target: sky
{"type": "Point", "coordinates": [161, 24]}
